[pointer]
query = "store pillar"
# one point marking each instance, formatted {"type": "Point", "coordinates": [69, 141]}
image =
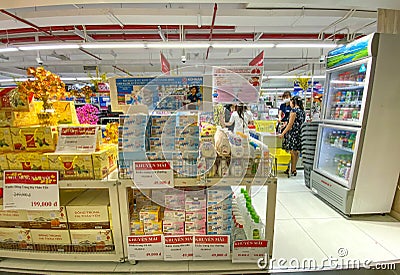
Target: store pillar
{"type": "Point", "coordinates": [388, 21]}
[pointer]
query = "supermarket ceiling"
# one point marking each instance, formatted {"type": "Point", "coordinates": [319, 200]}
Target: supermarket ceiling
{"type": "Point", "coordinates": [264, 22]}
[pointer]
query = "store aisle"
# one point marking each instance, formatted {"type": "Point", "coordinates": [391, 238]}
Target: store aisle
{"type": "Point", "coordinates": [307, 228]}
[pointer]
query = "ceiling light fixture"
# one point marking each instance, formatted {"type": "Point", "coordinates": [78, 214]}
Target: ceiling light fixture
{"type": "Point", "coordinates": [293, 76]}
{"type": "Point", "coordinates": [11, 49]}
{"type": "Point", "coordinates": [177, 45]}
{"type": "Point", "coordinates": [308, 45]}
{"type": "Point", "coordinates": [275, 89]}
{"type": "Point", "coordinates": [113, 45]}
{"type": "Point", "coordinates": [49, 47]}
{"type": "Point", "coordinates": [242, 45]}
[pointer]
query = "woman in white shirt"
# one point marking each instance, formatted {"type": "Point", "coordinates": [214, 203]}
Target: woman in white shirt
{"type": "Point", "coordinates": [240, 119]}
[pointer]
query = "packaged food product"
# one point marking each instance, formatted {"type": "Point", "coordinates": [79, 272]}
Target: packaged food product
{"type": "Point", "coordinates": [150, 213]}
{"type": "Point", "coordinates": [153, 227]}
{"type": "Point", "coordinates": [89, 239]}
{"type": "Point", "coordinates": [6, 144]}
{"type": "Point", "coordinates": [196, 216]}
{"type": "Point", "coordinates": [173, 228]}
{"type": "Point", "coordinates": [174, 215]}
{"type": "Point", "coordinates": [16, 238]}
{"type": "Point", "coordinates": [72, 167]}
{"type": "Point", "coordinates": [195, 228]}
{"type": "Point", "coordinates": [27, 161]}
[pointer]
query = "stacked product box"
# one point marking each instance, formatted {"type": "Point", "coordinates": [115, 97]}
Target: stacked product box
{"type": "Point", "coordinates": [188, 143]}
{"type": "Point", "coordinates": [195, 207]}
{"type": "Point", "coordinates": [131, 142]}
{"type": "Point", "coordinates": [38, 230]}
{"type": "Point", "coordinates": [174, 214]}
{"type": "Point", "coordinates": [90, 222]}
{"type": "Point", "coordinates": [219, 211]}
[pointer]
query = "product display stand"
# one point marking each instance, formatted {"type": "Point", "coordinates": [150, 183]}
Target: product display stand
{"type": "Point", "coordinates": [126, 184]}
{"type": "Point", "coordinates": [109, 183]}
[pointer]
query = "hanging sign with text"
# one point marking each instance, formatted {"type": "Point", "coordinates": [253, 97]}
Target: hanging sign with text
{"type": "Point", "coordinates": [249, 251]}
{"type": "Point", "coordinates": [207, 247]}
{"type": "Point", "coordinates": [178, 248]}
{"type": "Point", "coordinates": [80, 139]}
{"type": "Point", "coordinates": [153, 174]}
{"type": "Point", "coordinates": [145, 247]}
{"type": "Point", "coordinates": [31, 190]}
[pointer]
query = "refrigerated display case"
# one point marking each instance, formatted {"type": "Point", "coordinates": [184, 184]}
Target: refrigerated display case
{"type": "Point", "coordinates": [356, 163]}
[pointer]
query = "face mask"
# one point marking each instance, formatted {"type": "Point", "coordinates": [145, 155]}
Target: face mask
{"type": "Point", "coordinates": [286, 100]}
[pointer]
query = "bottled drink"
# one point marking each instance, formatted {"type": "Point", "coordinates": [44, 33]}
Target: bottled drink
{"type": "Point", "coordinates": [348, 96]}
{"type": "Point", "coordinates": [347, 171]}
{"type": "Point", "coordinates": [332, 137]}
{"type": "Point", "coordinates": [341, 112]}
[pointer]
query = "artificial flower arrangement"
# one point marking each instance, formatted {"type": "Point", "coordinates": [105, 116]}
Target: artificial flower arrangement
{"type": "Point", "coordinates": [86, 92]}
{"type": "Point", "coordinates": [303, 82]}
{"type": "Point", "coordinates": [87, 114]}
{"type": "Point", "coordinates": [46, 86]}
{"type": "Point", "coordinates": [99, 78]}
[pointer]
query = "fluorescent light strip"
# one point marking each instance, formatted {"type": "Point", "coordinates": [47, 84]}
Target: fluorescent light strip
{"type": "Point", "coordinates": [48, 47]}
{"type": "Point", "coordinates": [113, 45]}
{"type": "Point", "coordinates": [242, 45]}
{"type": "Point", "coordinates": [299, 45]}
{"type": "Point", "coordinates": [172, 45]}
{"type": "Point", "coordinates": [5, 50]}
{"type": "Point", "coordinates": [275, 89]}
{"type": "Point", "coordinates": [292, 76]}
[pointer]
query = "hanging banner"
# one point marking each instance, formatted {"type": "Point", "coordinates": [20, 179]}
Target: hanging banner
{"type": "Point", "coordinates": [165, 66]}
{"type": "Point", "coordinates": [31, 190]}
{"type": "Point", "coordinates": [178, 248]}
{"type": "Point", "coordinates": [80, 139]}
{"type": "Point", "coordinates": [239, 84]}
{"type": "Point", "coordinates": [207, 247]}
{"type": "Point", "coordinates": [157, 93]}
{"type": "Point", "coordinates": [153, 174]}
{"type": "Point", "coordinates": [258, 61]}
{"type": "Point", "coordinates": [145, 247]}
{"type": "Point", "coordinates": [249, 251]}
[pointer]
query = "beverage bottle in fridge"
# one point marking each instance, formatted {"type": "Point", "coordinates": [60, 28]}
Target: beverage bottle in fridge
{"type": "Point", "coordinates": [338, 96]}
{"type": "Point", "coordinates": [332, 137]}
{"type": "Point", "coordinates": [343, 97]}
{"type": "Point", "coordinates": [348, 96]}
{"type": "Point", "coordinates": [347, 171]}
{"type": "Point", "coordinates": [339, 166]}
{"type": "Point", "coordinates": [337, 112]}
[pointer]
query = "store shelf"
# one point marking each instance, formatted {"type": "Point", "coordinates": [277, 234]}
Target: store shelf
{"type": "Point", "coordinates": [350, 88]}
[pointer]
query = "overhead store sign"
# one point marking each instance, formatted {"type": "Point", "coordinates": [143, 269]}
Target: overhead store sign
{"type": "Point", "coordinates": [258, 61]}
{"type": "Point", "coordinates": [238, 84]}
{"type": "Point", "coordinates": [165, 66]}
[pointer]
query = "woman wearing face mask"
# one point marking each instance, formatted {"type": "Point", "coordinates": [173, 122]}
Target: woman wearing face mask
{"type": "Point", "coordinates": [292, 141]}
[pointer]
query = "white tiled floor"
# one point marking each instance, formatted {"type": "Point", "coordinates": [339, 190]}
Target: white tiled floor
{"type": "Point", "coordinates": [306, 227]}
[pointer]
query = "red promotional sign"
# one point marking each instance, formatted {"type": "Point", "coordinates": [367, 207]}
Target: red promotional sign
{"type": "Point", "coordinates": [145, 247]}
{"type": "Point", "coordinates": [165, 66]}
{"type": "Point", "coordinates": [153, 165]}
{"type": "Point", "coordinates": [258, 60]}
{"type": "Point", "coordinates": [249, 251]}
{"type": "Point", "coordinates": [31, 190]}
{"type": "Point", "coordinates": [178, 248]}
{"type": "Point", "coordinates": [144, 239]}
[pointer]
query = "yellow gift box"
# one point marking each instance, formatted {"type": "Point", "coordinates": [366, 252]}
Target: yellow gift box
{"type": "Point", "coordinates": [33, 139]}
{"type": "Point", "coordinates": [27, 161]}
{"type": "Point", "coordinates": [66, 112]}
{"type": "Point", "coordinates": [74, 167]}
{"type": "Point", "coordinates": [3, 165]}
{"type": "Point", "coordinates": [6, 144]}
{"type": "Point", "coordinates": [100, 164]}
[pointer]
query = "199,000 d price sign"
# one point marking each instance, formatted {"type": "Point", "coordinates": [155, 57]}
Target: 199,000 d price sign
{"type": "Point", "coordinates": [33, 190]}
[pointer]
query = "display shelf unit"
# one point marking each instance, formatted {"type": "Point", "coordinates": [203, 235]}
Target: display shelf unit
{"type": "Point", "coordinates": [270, 183]}
{"type": "Point", "coordinates": [117, 255]}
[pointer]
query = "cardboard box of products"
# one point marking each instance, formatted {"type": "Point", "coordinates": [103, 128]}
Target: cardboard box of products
{"type": "Point", "coordinates": [100, 164]}
{"type": "Point", "coordinates": [196, 216]}
{"type": "Point", "coordinates": [15, 238]}
{"type": "Point", "coordinates": [173, 228]}
{"type": "Point", "coordinates": [195, 228]}
{"type": "Point", "coordinates": [13, 218]}
{"type": "Point", "coordinates": [174, 215]}
{"type": "Point", "coordinates": [6, 144]}
{"type": "Point", "coordinates": [152, 227]}
{"type": "Point", "coordinates": [27, 161]}
{"type": "Point", "coordinates": [50, 240]}
{"type": "Point", "coordinates": [36, 139]}
{"type": "Point", "coordinates": [137, 227]}
{"type": "Point", "coordinates": [3, 165]}
{"type": "Point", "coordinates": [72, 167]}
{"type": "Point", "coordinates": [84, 240]}
{"type": "Point", "coordinates": [90, 210]}
{"type": "Point", "coordinates": [219, 228]}
{"type": "Point", "coordinates": [150, 213]}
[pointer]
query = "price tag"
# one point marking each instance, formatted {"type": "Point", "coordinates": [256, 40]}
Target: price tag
{"type": "Point", "coordinates": [145, 247]}
{"type": "Point", "coordinates": [178, 248]}
{"type": "Point", "coordinates": [249, 251]}
{"type": "Point", "coordinates": [80, 139]}
{"type": "Point", "coordinates": [153, 174]}
{"type": "Point", "coordinates": [208, 247]}
{"type": "Point", "coordinates": [31, 190]}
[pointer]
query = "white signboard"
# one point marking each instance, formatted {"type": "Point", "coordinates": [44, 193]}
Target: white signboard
{"type": "Point", "coordinates": [31, 190]}
{"type": "Point", "coordinates": [249, 251]}
{"type": "Point", "coordinates": [80, 139]}
{"type": "Point", "coordinates": [208, 247]}
{"type": "Point", "coordinates": [153, 174]}
{"type": "Point", "coordinates": [145, 247]}
{"type": "Point", "coordinates": [178, 248]}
